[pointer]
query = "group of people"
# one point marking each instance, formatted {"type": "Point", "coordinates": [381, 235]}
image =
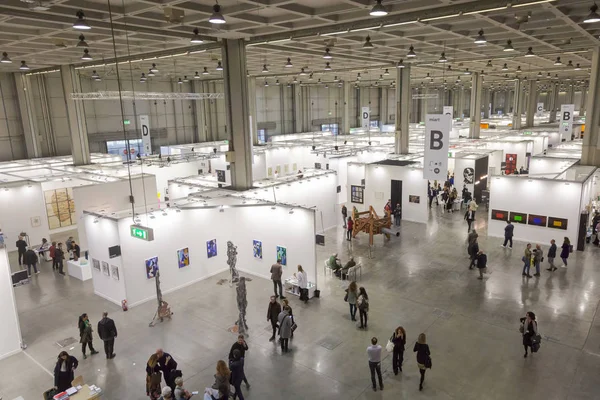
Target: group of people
{"type": "Point", "coordinates": [358, 298]}
{"type": "Point", "coordinates": [336, 266]}
{"type": "Point", "coordinates": [29, 256]}
{"type": "Point", "coordinates": [535, 257]}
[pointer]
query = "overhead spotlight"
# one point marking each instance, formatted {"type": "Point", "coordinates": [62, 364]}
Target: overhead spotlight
{"type": "Point", "coordinates": [411, 52]}
{"type": "Point", "coordinates": [489, 64]}
{"type": "Point", "coordinates": [529, 52]}
{"type": "Point", "coordinates": [179, 81]}
{"type": "Point", "coordinates": [327, 54]}
{"type": "Point", "coordinates": [310, 77]}
{"type": "Point", "coordinates": [150, 73]}
{"type": "Point", "coordinates": [358, 77]}
{"type": "Point", "coordinates": [219, 66]}
{"type": "Point", "coordinates": [577, 68]}
{"type": "Point", "coordinates": [289, 64]}
{"type": "Point", "coordinates": [378, 10]}
{"type": "Point", "coordinates": [593, 16]}
{"type": "Point", "coordinates": [386, 72]}
{"type": "Point", "coordinates": [197, 75]}
{"type": "Point", "coordinates": [518, 71]}
{"type": "Point", "coordinates": [509, 46]}
{"type": "Point", "coordinates": [216, 17]}
{"type": "Point", "coordinates": [277, 82]}
{"type": "Point", "coordinates": [154, 69]}
{"type": "Point", "coordinates": [302, 71]}
{"type": "Point", "coordinates": [143, 77]}
{"type": "Point", "coordinates": [480, 38]}
{"type": "Point", "coordinates": [86, 55]}
{"type": "Point", "coordinates": [5, 59]}
{"type": "Point", "coordinates": [570, 64]}
{"type": "Point", "coordinates": [196, 38]}
{"type": "Point", "coordinates": [368, 42]}
{"type": "Point", "coordinates": [82, 42]}
{"type": "Point", "coordinates": [266, 83]}
{"type": "Point", "coordinates": [400, 64]}
{"type": "Point", "coordinates": [443, 58]}
{"type": "Point", "coordinates": [558, 62]}
{"type": "Point", "coordinates": [205, 71]}
{"type": "Point", "coordinates": [24, 66]}
{"type": "Point", "coordinates": [327, 66]}
{"type": "Point", "coordinates": [95, 75]}
{"type": "Point", "coordinates": [81, 23]}
{"type": "Point", "coordinates": [505, 67]}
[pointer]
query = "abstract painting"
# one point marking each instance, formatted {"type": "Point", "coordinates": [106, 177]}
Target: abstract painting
{"type": "Point", "coordinates": [151, 267]}
{"type": "Point", "coordinates": [96, 264]}
{"type": "Point", "coordinates": [114, 271]}
{"type": "Point", "coordinates": [60, 208]}
{"type": "Point", "coordinates": [211, 248]}
{"type": "Point", "coordinates": [282, 255]}
{"type": "Point", "coordinates": [257, 249]}
{"type": "Point", "coordinates": [183, 257]}
{"type": "Point", "coordinates": [105, 268]}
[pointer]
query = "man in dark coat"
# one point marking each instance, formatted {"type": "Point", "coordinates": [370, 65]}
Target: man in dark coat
{"type": "Point", "coordinates": [168, 366]}
{"type": "Point", "coordinates": [241, 346]}
{"type": "Point", "coordinates": [272, 314]}
{"type": "Point", "coordinates": [508, 234]}
{"type": "Point", "coordinates": [107, 332]}
{"type": "Point", "coordinates": [31, 259]}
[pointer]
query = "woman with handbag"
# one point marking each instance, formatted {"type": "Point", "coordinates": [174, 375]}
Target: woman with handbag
{"type": "Point", "coordinates": [423, 357]}
{"type": "Point", "coordinates": [351, 297]}
{"type": "Point", "coordinates": [85, 334]}
{"type": "Point", "coordinates": [285, 328]}
{"type": "Point", "coordinates": [529, 331]}
{"type": "Point", "coordinates": [363, 307]}
{"type": "Point", "coordinates": [399, 340]}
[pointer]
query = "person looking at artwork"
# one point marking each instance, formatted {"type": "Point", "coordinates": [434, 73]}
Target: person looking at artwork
{"type": "Point", "coordinates": [21, 248]}
{"type": "Point", "coordinates": [276, 273]}
{"type": "Point", "coordinates": [240, 346]}
{"type": "Point", "coordinates": [59, 256]}
{"type": "Point", "coordinates": [168, 366]}
{"type": "Point", "coordinates": [107, 331]}
{"type": "Point", "coordinates": [31, 259]}
{"type": "Point", "coordinates": [64, 371]}
{"type": "Point", "coordinates": [302, 283]}
{"type": "Point", "coordinates": [85, 334]}
{"type": "Point", "coordinates": [272, 314]}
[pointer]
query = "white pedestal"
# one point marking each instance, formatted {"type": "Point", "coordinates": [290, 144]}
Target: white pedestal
{"type": "Point", "coordinates": [291, 287]}
{"type": "Point", "coordinates": [78, 271]}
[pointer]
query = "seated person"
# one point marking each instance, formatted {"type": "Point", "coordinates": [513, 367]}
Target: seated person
{"type": "Point", "coordinates": [334, 262]}
{"type": "Point", "coordinates": [344, 271]}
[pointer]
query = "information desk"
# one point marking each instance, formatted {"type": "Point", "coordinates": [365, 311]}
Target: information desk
{"type": "Point", "coordinates": [86, 393]}
{"type": "Point", "coordinates": [78, 271]}
{"type": "Point", "coordinates": [291, 287]}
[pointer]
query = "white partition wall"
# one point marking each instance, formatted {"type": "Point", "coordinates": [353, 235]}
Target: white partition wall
{"type": "Point", "coordinates": [10, 334]}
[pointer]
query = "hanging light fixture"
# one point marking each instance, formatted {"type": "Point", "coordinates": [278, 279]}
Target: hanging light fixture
{"type": "Point", "coordinates": [467, 72]}
{"type": "Point", "coordinates": [265, 69]}
{"type": "Point", "coordinates": [529, 52]}
{"type": "Point", "coordinates": [380, 77]}
{"type": "Point", "coordinates": [150, 73]}
{"type": "Point", "coordinates": [179, 81]}
{"type": "Point", "coordinates": [5, 59]}
{"type": "Point", "coordinates": [277, 82]}
{"type": "Point", "coordinates": [82, 42]}
{"type": "Point", "coordinates": [154, 69]}
{"type": "Point", "coordinates": [289, 64]}
{"type": "Point", "coordinates": [539, 74]}
{"type": "Point", "coordinates": [266, 83]}
{"type": "Point", "coordinates": [449, 68]}
{"type": "Point", "coordinates": [219, 66]}
{"type": "Point", "coordinates": [358, 77]}
{"type": "Point", "coordinates": [319, 81]}
{"type": "Point", "coordinates": [95, 75]}
{"type": "Point", "coordinates": [411, 52]}
{"type": "Point", "coordinates": [386, 72]}
{"type": "Point", "coordinates": [368, 42]}
{"type": "Point", "coordinates": [327, 66]}
{"type": "Point", "coordinates": [197, 75]}
{"type": "Point", "coordinates": [302, 71]}
{"type": "Point", "coordinates": [205, 71]}
{"type": "Point", "coordinates": [143, 78]}
{"type": "Point", "coordinates": [400, 64]}
{"type": "Point", "coordinates": [326, 86]}
{"type": "Point", "coordinates": [196, 38]}
{"type": "Point", "coordinates": [378, 10]}
{"type": "Point", "coordinates": [577, 68]}
{"type": "Point", "coordinates": [335, 79]}
{"type": "Point", "coordinates": [593, 16]}
{"type": "Point", "coordinates": [327, 54]}
{"type": "Point", "coordinates": [86, 55]}
{"type": "Point", "coordinates": [185, 79]}
{"type": "Point", "coordinates": [443, 58]}
{"type": "Point", "coordinates": [505, 67]}
{"type": "Point", "coordinates": [310, 77]}
{"type": "Point", "coordinates": [81, 23]}
{"type": "Point", "coordinates": [509, 46]}
{"type": "Point", "coordinates": [558, 62]}
{"type": "Point", "coordinates": [480, 38]}
{"type": "Point", "coordinates": [24, 66]}
{"type": "Point", "coordinates": [294, 80]}
{"type": "Point", "coordinates": [518, 71]}
{"type": "Point", "coordinates": [489, 64]}
{"type": "Point", "coordinates": [570, 64]}
{"type": "Point", "coordinates": [216, 17]}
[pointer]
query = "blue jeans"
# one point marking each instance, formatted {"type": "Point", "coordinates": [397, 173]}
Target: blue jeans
{"type": "Point", "coordinates": [353, 311]}
{"type": "Point", "coordinates": [537, 267]}
{"type": "Point", "coordinates": [526, 267]}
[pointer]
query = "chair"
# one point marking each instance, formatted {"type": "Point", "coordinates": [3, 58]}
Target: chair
{"type": "Point", "coordinates": [327, 267]}
{"type": "Point", "coordinates": [352, 271]}
{"type": "Point", "coordinates": [78, 381]}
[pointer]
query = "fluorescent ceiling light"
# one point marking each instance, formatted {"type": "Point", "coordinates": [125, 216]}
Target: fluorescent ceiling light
{"type": "Point", "coordinates": [485, 10]}
{"type": "Point", "coordinates": [81, 23]}
{"type": "Point", "coordinates": [216, 17]}
{"type": "Point", "coordinates": [364, 29]}
{"type": "Point", "coordinates": [441, 17]}
{"type": "Point", "coordinates": [532, 3]}
{"type": "Point", "coordinates": [398, 24]}
{"type": "Point", "coordinates": [480, 38]}
{"type": "Point", "coordinates": [196, 38]}
{"type": "Point", "coordinates": [336, 33]}
{"type": "Point", "coordinates": [378, 10]}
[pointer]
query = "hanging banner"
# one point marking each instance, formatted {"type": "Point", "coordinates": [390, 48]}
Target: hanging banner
{"type": "Point", "coordinates": [566, 119]}
{"type": "Point", "coordinates": [366, 118]}
{"type": "Point", "coordinates": [539, 110]}
{"type": "Point", "coordinates": [145, 128]}
{"type": "Point", "coordinates": [437, 140]}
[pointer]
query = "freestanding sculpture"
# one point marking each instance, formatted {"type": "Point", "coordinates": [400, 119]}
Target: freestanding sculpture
{"type": "Point", "coordinates": [232, 260]}
{"type": "Point", "coordinates": [242, 303]}
{"type": "Point", "coordinates": [163, 310]}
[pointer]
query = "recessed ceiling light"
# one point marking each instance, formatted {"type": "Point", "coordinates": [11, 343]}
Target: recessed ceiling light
{"type": "Point", "coordinates": [411, 52]}
{"type": "Point", "coordinates": [289, 64]}
{"type": "Point", "coordinates": [378, 10]}
{"type": "Point", "coordinates": [86, 55]}
{"type": "Point", "coordinates": [197, 75]}
{"type": "Point", "coordinates": [219, 66]}
{"type": "Point", "coordinates": [558, 62]}
{"type": "Point", "coordinates": [154, 69]}
{"type": "Point", "coordinates": [196, 38]}
{"type": "Point", "coordinates": [443, 58]}
{"type": "Point", "coordinates": [368, 42]}
{"type": "Point", "coordinates": [509, 46]}
{"type": "Point", "coordinates": [505, 67]}
{"type": "Point", "coordinates": [205, 71]}
{"type": "Point", "coordinates": [265, 69]}
{"type": "Point", "coordinates": [81, 23]}
{"type": "Point", "coordinates": [5, 59]}
{"type": "Point", "coordinates": [327, 54]}
{"type": "Point", "coordinates": [82, 42]}
{"type": "Point", "coordinates": [480, 38]}
{"type": "Point", "coordinates": [24, 66]}
{"type": "Point", "coordinates": [327, 66]}
{"type": "Point", "coordinates": [593, 16]}
{"type": "Point", "coordinates": [216, 17]}
{"type": "Point", "coordinates": [489, 64]}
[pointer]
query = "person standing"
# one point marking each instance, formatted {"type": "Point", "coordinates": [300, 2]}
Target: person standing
{"type": "Point", "coordinates": [508, 234]}
{"type": "Point", "coordinates": [349, 229]}
{"type": "Point", "coordinates": [64, 371]}
{"type": "Point", "coordinates": [527, 260]}
{"type": "Point", "coordinates": [302, 283]}
{"type": "Point", "coordinates": [272, 315]}
{"type": "Point", "coordinates": [1, 238]}
{"type": "Point", "coordinates": [538, 257]}
{"type": "Point", "coordinates": [363, 307]}
{"type": "Point", "coordinates": [469, 217]}
{"type": "Point", "coordinates": [529, 330]}
{"type": "Point", "coordinates": [285, 328]}
{"type": "Point", "coordinates": [387, 209]}
{"type": "Point", "coordinates": [68, 243]}
{"type": "Point", "coordinates": [474, 252]}
{"type": "Point", "coordinates": [276, 273]}
{"type": "Point", "coordinates": [565, 250]}
{"type": "Point", "coordinates": [399, 340]}
{"type": "Point", "coordinates": [481, 263]}
{"type": "Point", "coordinates": [180, 392]}
{"type": "Point", "coordinates": [21, 248]}
{"type": "Point", "coordinates": [223, 376]}
{"type": "Point", "coordinates": [52, 251]}
{"type": "Point", "coordinates": [31, 259]}
{"type": "Point", "coordinates": [168, 366]}
{"type": "Point", "coordinates": [344, 214]}
{"type": "Point", "coordinates": [76, 250]}
{"type": "Point", "coordinates": [241, 346]}
{"type": "Point", "coordinates": [236, 365]}
{"type": "Point", "coordinates": [374, 355]}
{"type": "Point", "coordinates": [59, 256]}
{"type": "Point", "coordinates": [471, 238]}
{"type": "Point", "coordinates": [423, 357]}
{"type": "Point", "coordinates": [107, 331]}
{"type": "Point", "coordinates": [430, 194]}
{"type": "Point", "coordinates": [397, 214]}
{"type": "Point", "coordinates": [552, 255]}
{"type": "Point", "coordinates": [153, 378]}
{"type": "Point", "coordinates": [85, 334]}
{"type": "Point", "coordinates": [352, 297]}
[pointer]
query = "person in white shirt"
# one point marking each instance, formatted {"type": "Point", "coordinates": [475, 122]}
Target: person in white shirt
{"type": "Point", "coordinates": [302, 283]}
{"type": "Point", "coordinates": [374, 353]}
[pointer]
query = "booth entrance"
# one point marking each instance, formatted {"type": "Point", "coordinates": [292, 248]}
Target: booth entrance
{"type": "Point", "coordinates": [396, 193]}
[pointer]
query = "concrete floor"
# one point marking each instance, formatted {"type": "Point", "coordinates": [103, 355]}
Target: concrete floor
{"type": "Point", "coordinates": [419, 281]}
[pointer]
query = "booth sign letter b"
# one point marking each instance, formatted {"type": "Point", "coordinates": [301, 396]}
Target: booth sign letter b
{"type": "Point", "coordinates": [435, 142]}
{"type": "Point", "coordinates": [566, 116]}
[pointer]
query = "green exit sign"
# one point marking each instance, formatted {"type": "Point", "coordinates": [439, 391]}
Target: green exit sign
{"type": "Point", "coordinates": [528, 133]}
{"type": "Point", "coordinates": [126, 122]}
{"type": "Point", "coordinates": [142, 232]}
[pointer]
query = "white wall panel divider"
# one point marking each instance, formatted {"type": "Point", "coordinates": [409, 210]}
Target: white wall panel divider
{"type": "Point", "coordinates": [10, 334]}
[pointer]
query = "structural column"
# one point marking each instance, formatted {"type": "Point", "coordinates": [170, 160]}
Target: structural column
{"type": "Point", "coordinates": [570, 95]}
{"type": "Point", "coordinates": [383, 106]}
{"type": "Point", "coordinates": [403, 100]}
{"type": "Point", "coordinates": [296, 107]}
{"type": "Point", "coordinates": [80, 148]}
{"type": "Point", "coordinates": [531, 103]}
{"type": "Point", "coordinates": [475, 111]}
{"type": "Point", "coordinates": [252, 108]}
{"type": "Point", "coordinates": [518, 99]}
{"type": "Point", "coordinates": [554, 103]}
{"type": "Point", "coordinates": [237, 112]}
{"type": "Point", "coordinates": [28, 116]}
{"type": "Point", "coordinates": [198, 113]}
{"type": "Point", "coordinates": [591, 140]}
{"type": "Point", "coordinates": [345, 128]}
{"type": "Point", "coordinates": [583, 100]}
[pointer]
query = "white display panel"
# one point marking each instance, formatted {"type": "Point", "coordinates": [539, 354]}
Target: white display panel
{"type": "Point", "coordinates": [10, 334]}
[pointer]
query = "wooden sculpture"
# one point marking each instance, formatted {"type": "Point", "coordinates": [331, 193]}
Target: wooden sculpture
{"type": "Point", "coordinates": [369, 222]}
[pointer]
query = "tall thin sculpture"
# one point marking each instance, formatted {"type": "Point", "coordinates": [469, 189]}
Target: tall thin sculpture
{"type": "Point", "coordinates": [232, 260]}
{"type": "Point", "coordinates": [163, 310]}
{"type": "Point", "coordinates": [242, 303]}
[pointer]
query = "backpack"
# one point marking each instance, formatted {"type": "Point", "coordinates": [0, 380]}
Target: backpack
{"type": "Point", "coordinates": [364, 304]}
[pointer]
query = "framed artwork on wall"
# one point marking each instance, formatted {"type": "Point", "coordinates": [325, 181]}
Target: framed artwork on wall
{"type": "Point", "coordinates": [469, 175]}
{"type": "Point", "coordinates": [114, 271]}
{"type": "Point", "coordinates": [35, 222]}
{"type": "Point", "coordinates": [357, 194]}
{"type": "Point", "coordinates": [96, 264]}
{"type": "Point", "coordinates": [257, 248]}
{"type": "Point", "coordinates": [211, 248]}
{"type": "Point", "coordinates": [282, 255]}
{"type": "Point", "coordinates": [500, 215]}
{"type": "Point", "coordinates": [537, 220]}
{"type": "Point", "coordinates": [151, 267]}
{"type": "Point", "coordinates": [558, 223]}
{"type": "Point", "coordinates": [518, 218]}
{"type": "Point", "coordinates": [183, 257]}
{"type": "Point", "coordinates": [511, 164]}
{"type": "Point", "coordinates": [221, 175]}
{"type": "Point", "coordinates": [105, 268]}
{"type": "Point", "coordinates": [60, 208]}
{"type": "Point", "coordinates": [414, 199]}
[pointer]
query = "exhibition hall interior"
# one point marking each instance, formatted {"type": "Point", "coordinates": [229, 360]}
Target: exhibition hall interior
{"type": "Point", "coordinates": [203, 199]}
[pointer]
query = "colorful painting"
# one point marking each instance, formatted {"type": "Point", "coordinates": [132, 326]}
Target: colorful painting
{"type": "Point", "coordinates": [96, 264]}
{"type": "Point", "coordinates": [211, 248]}
{"type": "Point", "coordinates": [183, 257]}
{"type": "Point", "coordinates": [105, 268]}
{"type": "Point", "coordinates": [151, 267]}
{"type": "Point", "coordinates": [60, 208]}
{"type": "Point", "coordinates": [257, 246]}
{"type": "Point", "coordinates": [114, 271]}
{"type": "Point", "coordinates": [282, 255]}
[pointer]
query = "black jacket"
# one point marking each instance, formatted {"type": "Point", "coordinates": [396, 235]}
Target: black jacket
{"type": "Point", "coordinates": [30, 257]}
{"type": "Point", "coordinates": [59, 254]}
{"type": "Point", "coordinates": [236, 346]}
{"type": "Point", "coordinates": [481, 261]}
{"type": "Point", "coordinates": [552, 251]}
{"type": "Point", "coordinates": [422, 352]}
{"type": "Point", "coordinates": [21, 245]}
{"type": "Point", "coordinates": [508, 230]}
{"type": "Point", "coordinates": [76, 251]}
{"type": "Point", "coordinates": [166, 364]}
{"type": "Point", "coordinates": [237, 372]}
{"type": "Point", "coordinates": [107, 329]}
{"type": "Point", "coordinates": [474, 249]}
{"type": "Point", "coordinates": [72, 363]}
{"type": "Point", "coordinates": [273, 312]}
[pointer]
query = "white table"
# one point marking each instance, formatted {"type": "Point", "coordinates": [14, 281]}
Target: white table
{"type": "Point", "coordinates": [78, 271]}
{"type": "Point", "coordinates": [291, 287]}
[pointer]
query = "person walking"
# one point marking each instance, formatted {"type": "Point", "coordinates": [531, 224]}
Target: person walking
{"type": "Point", "coordinates": [276, 273]}
{"type": "Point", "coordinates": [474, 251]}
{"type": "Point", "coordinates": [481, 263]}
{"type": "Point", "coordinates": [21, 248]}
{"type": "Point", "coordinates": [223, 375]}
{"type": "Point", "coordinates": [352, 297]}
{"type": "Point", "coordinates": [85, 334]}
{"type": "Point", "coordinates": [31, 260]}
{"type": "Point", "coordinates": [565, 250]}
{"type": "Point", "coordinates": [272, 315]}
{"type": "Point", "coordinates": [107, 331]}
{"type": "Point", "coordinates": [286, 303]}
{"type": "Point", "coordinates": [64, 371]}
{"type": "Point", "coordinates": [430, 194]}
{"type": "Point", "coordinates": [397, 214]}
{"type": "Point", "coordinates": [508, 234]}
{"type": "Point", "coordinates": [529, 331]}
{"type": "Point", "coordinates": [285, 328]}
{"type": "Point", "coordinates": [363, 307]}
{"type": "Point", "coordinates": [168, 366]}
{"type": "Point", "coordinates": [469, 217]}
{"type": "Point", "coordinates": [552, 256]}
{"type": "Point", "coordinates": [344, 214]}
{"type": "Point", "coordinates": [302, 283]}
{"type": "Point", "coordinates": [241, 346]}
{"type": "Point", "coordinates": [527, 260]}
{"type": "Point", "coordinates": [52, 251]}
{"type": "Point", "coordinates": [374, 355]}
{"type": "Point", "coordinates": [423, 357]}
{"type": "Point", "coordinates": [471, 238]}
{"type": "Point", "coordinates": [59, 256]}
{"type": "Point", "coordinates": [349, 229]}
{"type": "Point", "coordinates": [399, 340]}
{"type": "Point", "coordinates": [538, 257]}
{"type": "Point", "coordinates": [236, 365]}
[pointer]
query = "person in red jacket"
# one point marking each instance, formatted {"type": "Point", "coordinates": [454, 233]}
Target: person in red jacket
{"type": "Point", "coordinates": [52, 249]}
{"type": "Point", "coordinates": [350, 225]}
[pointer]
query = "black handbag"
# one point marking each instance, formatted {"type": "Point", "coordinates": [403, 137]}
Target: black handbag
{"type": "Point", "coordinates": [428, 362]}
{"type": "Point", "coordinates": [346, 297]}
